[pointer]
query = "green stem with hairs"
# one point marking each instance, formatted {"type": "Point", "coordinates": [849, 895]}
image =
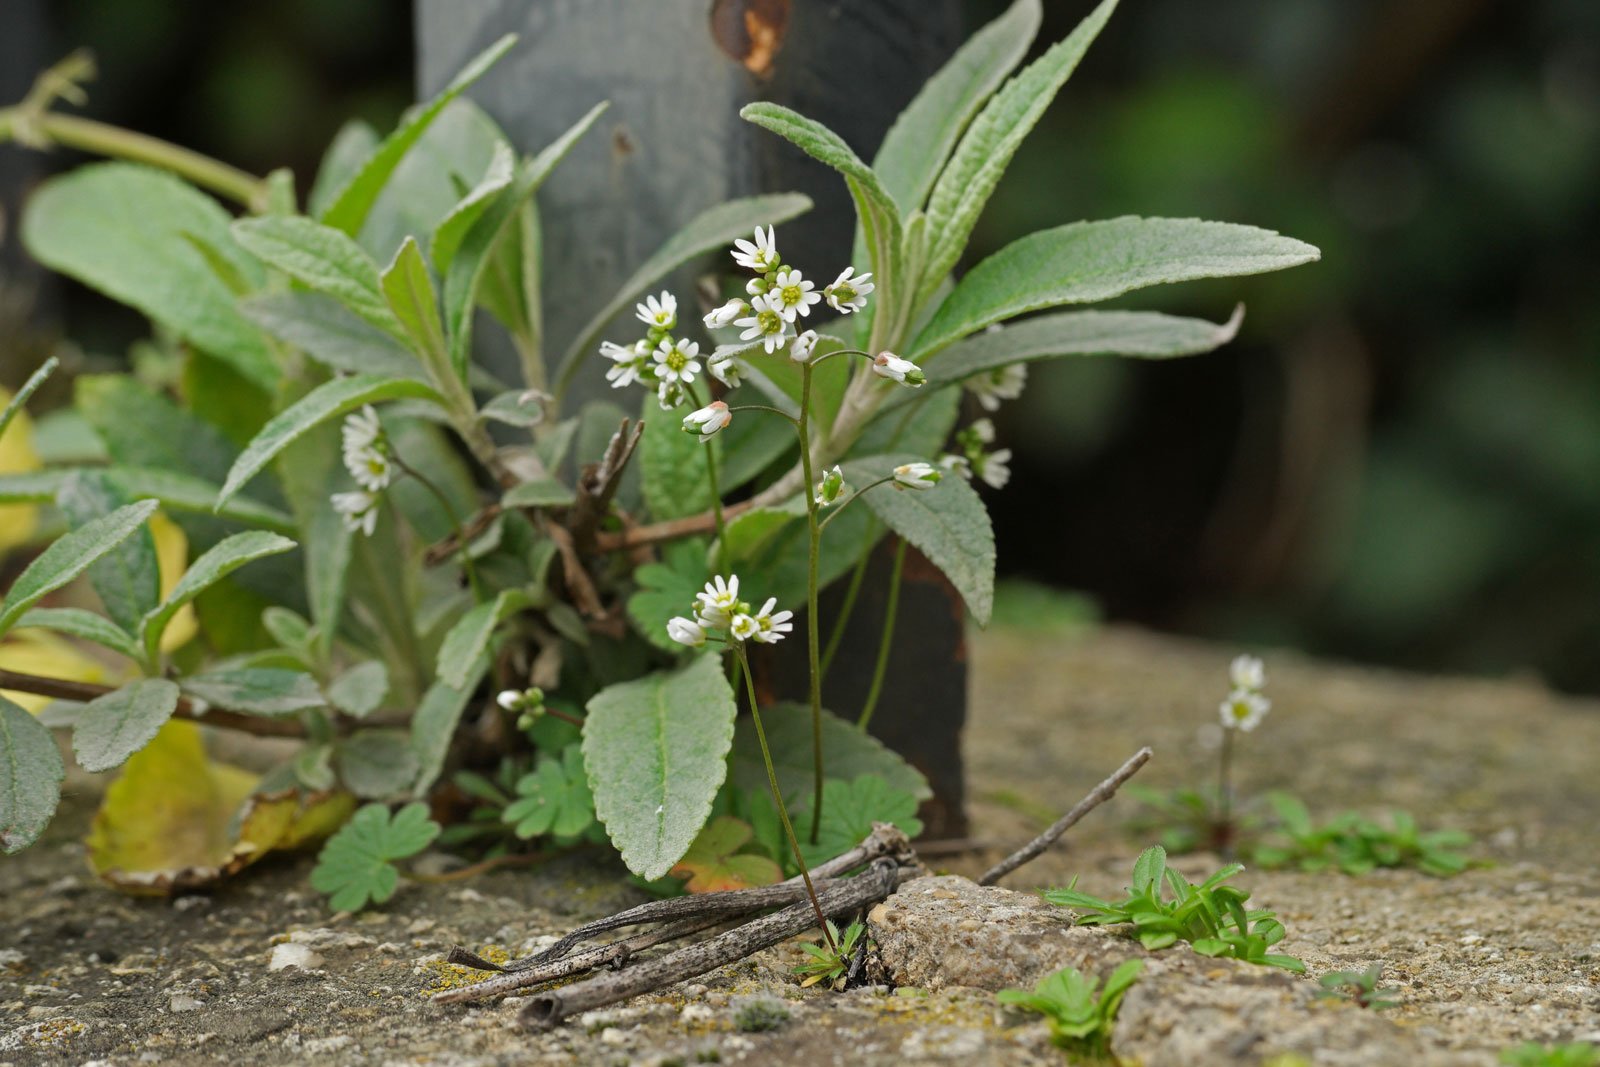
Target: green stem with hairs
{"type": "Point", "coordinates": [886, 640]}
{"type": "Point", "coordinates": [814, 549]}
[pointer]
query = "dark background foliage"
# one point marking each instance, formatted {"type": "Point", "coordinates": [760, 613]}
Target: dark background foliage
{"type": "Point", "coordinates": [1398, 461]}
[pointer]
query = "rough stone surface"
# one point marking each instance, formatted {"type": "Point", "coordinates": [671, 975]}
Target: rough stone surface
{"type": "Point", "coordinates": [1504, 953]}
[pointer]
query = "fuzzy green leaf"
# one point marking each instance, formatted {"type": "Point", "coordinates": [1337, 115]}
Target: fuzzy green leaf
{"type": "Point", "coordinates": [221, 560]}
{"type": "Point", "coordinates": [113, 727]}
{"type": "Point", "coordinates": [359, 690]}
{"type": "Point", "coordinates": [408, 287]}
{"type": "Point", "coordinates": [119, 228]}
{"type": "Point", "coordinates": [357, 863]}
{"type": "Point", "coordinates": [846, 751]}
{"type": "Point", "coordinates": [128, 578]}
{"type": "Point", "coordinates": [29, 387]}
{"type": "Point", "coordinates": [85, 625]}
{"type": "Point", "coordinates": [541, 493]}
{"type": "Point", "coordinates": [256, 690]}
{"type": "Point", "coordinates": [447, 236]}
{"type": "Point", "coordinates": [434, 724]}
{"type": "Point", "coordinates": [70, 556]}
{"type": "Point", "coordinates": [323, 258]}
{"type": "Point", "coordinates": [849, 808]}
{"type": "Point", "coordinates": [325, 330]}
{"type": "Point", "coordinates": [672, 463]}
{"type": "Point", "coordinates": [994, 136]}
{"type": "Point", "coordinates": [354, 201]}
{"type": "Point", "coordinates": [708, 231]}
{"type": "Point", "coordinates": [667, 589]}
{"type": "Point", "coordinates": [656, 750]}
{"type": "Point", "coordinates": [355, 141]}
{"type": "Point", "coordinates": [469, 638]}
{"type": "Point", "coordinates": [1084, 262]}
{"type": "Point", "coordinates": [947, 523]}
{"type": "Point", "coordinates": [1149, 869]}
{"type": "Point", "coordinates": [554, 799]}
{"type": "Point", "coordinates": [329, 400]}
{"type": "Point", "coordinates": [30, 777]}
{"type": "Point", "coordinates": [175, 492]}
{"type": "Point", "coordinates": [376, 764]}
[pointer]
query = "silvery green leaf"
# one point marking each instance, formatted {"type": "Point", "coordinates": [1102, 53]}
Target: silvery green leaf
{"type": "Point", "coordinates": [112, 727]}
{"type": "Point", "coordinates": [30, 777]}
{"type": "Point", "coordinates": [70, 556]}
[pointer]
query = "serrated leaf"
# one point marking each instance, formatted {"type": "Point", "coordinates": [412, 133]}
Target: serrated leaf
{"type": "Point", "coordinates": [667, 589]}
{"type": "Point", "coordinates": [354, 200]}
{"type": "Point", "coordinates": [118, 228]}
{"type": "Point", "coordinates": [847, 754]}
{"type": "Point", "coordinates": [708, 231]}
{"type": "Point", "coordinates": [30, 777]}
{"type": "Point", "coordinates": [994, 136]}
{"type": "Point", "coordinates": [714, 864]}
{"type": "Point", "coordinates": [1084, 262]}
{"type": "Point", "coordinates": [947, 523]}
{"type": "Point", "coordinates": [356, 865]}
{"type": "Point", "coordinates": [323, 258]}
{"type": "Point", "coordinates": [85, 625]}
{"type": "Point", "coordinates": [329, 400]}
{"type": "Point", "coordinates": [1149, 869]}
{"type": "Point", "coordinates": [469, 638]}
{"type": "Point", "coordinates": [434, 724]}
{"type": "Point", "coordinates": [70, 556]}
{"type": "Point", "coordinates": [128, 578]}
{"type": "Point", "coordinates": [656, 751]}
{"type": "Point", "coordinates": [361, 689]}
{"type": "Point", "coordinates": [115, 726]}
{"type": "Point", "coordinates": [850, 807]}
{"type": "Point", "coordinates": [447, 236]}
{"type": "Point", "coordinates": [672, 464]}
{"type": "Point", "coordinates": [376, 764]}
{"type": "Point", "coordinates": [257, 690]}
{"type": "Point", "coordinates": [221, 560]}
{"type": "Point", "coordinates": [554, 799]}
{"type": "Point", "coordinates": [29, 387]}
{"type": "Point", "coordinates": [325, 330]}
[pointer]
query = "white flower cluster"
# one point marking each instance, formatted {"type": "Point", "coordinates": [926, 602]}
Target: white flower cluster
{"type": "Point", "coordinates": [780, 296]}
{"type": "Point", "coordinates": [1246, 706]}
{"type": "Point", "coordinates": [992, 468]}
{"type": "Point", "coordinates": [367, 457]}
{"type": "Point", "coordinates": [659, 360]}
{"type": "Point", "coordinates": [719, 608]}
{"type": "Point", "coordinates": [1001, 383]}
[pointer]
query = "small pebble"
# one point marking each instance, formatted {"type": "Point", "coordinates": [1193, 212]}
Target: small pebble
{"type": "Point", "coordinates": [293, 955]}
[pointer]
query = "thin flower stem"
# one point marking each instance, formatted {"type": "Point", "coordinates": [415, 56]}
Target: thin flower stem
{"type": "Point", "coordinates": [455, 522]}
{"type": "Point", "coordinates": [1225, 786]}
{"type": "Point", "coordinates": [767, 408]}
{"type": "Point", "coordinates": [813, 644]}
{"type": "Point", "coordinates": [716, 492]}
{"type": "Point", "coordinates": [853, 497]}
{"type": "Point", "coordinates": [840, 352]}
{"type": "Point", "coordinates": [886, 640]}
{"type": "Point", "coordinates": [777, 797]}
{"type": "Point", "coordinates": [849, 606]}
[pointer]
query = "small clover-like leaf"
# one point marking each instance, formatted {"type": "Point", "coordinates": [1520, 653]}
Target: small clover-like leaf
{"type": "Point", "coordinates": [714, 863]}
{"type": "Point", "coordinates": [357, 864]}
{"type": "Point", "coordinates": [555, 799]}
{"type": "Point", "coordinates": [850, 808]}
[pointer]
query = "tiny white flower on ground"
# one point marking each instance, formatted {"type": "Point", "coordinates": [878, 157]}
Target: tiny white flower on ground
{"type": "Point", "coordinates": [358, 510]}
{"type": "Point", "coordinates": [660, 312]}
{"type": "Point", "coordinates": [830, 488]}
{"type": "Point", "coordinates": [995, 468]}
{"type": "Point", "coordinates": [794, 294]}
{"type": "Point", "coordinates": [676, 362]}
{"type": "Point", "coordinates": [848, 293]}
{"type": "Point", "coordinates": [719, 600]}
{"type": "Point", "coordinates": [1001, 383]}
{"type": "Point", "coordinates": [717, 318]}
{"type": "Point", "coordinates": [707, 421]}
{"type": "Point", "coordinates": [888, 365]}
{"type": "Point", "coordinates": [1248, 672]}
{"type": "Point", "coordinates": [765, 322]}
{"type": "Point", "coordinates": [770, 627]}
{"type": "Point", "coordinates": [917, 476]}
{"type": "Point", "coordinates": [725, 369]}
{"type": "Point", "coordinates": [801, 348]}
{"type": "Point", "coordinates": [686, 631]}
{"type": "Point", "coordinates": [743, 627]}
{"type": "Point", "coordinates": [1243, 710]}
{"type": "Point", "coordinates": [761, 255]}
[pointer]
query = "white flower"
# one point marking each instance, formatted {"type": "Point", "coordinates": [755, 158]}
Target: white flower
{"type": "Point", "coordinates": [686, 631]}
{"type": "Point", "coordinates": [888, 365]}
{"type": "Point", "coordinates": [676, 362]}
{"type": "Point", "coordinates": [770, 628]}
{"type": "Point", "coordinates": [717, 318]}
{"type": "Point", "coordinates": [707, 420]}
{"type": "Point", "coordinates": [801, 347]}
{"type": "Point", "coordinates": [995, 468]}
{"type": "Point", "coordinates": [847, 293]}
{"type": "Point", "coordinates": [669, 395]}
{"type": "Point", "coordinates": [511, 699]}
{"type": "Point", "coordinates": [761, 256]}
{"type": "Point", "coordinates": [1001, 383]}
{"type": "Point", "coordinates": [830, 488]}
{"type": "Point", "coordinates": [628, 363]}
{"type": "Point", "coordinates": [660, 312]}
{"type": "Point", "coordinates": [757, 286]}
{"type": "Point", "coordinates": [359, 510]}
{"type": "Point", "coordinates": [719, 601]}
{"type": "Point", "coordinates": [361, 429]}
{"type": "Point", "coordinates": [1248, 672]}
{"type": "Point", "coordinates": [982, 431]}
{"type": "Point", "coordinates": [1243, 710]}
{"type": "Point", "coordinates": [793, 294]}
{"type": "Point", "coordinates": [766, 322]}
{"type": "Point", "coordinates": [743, 627]}
{"type": "Point", "coordinates": [725, 369]}
{"type": "Point", "coordinates": [917, 476]}
{"type": "Point", "coordinates": [365, 453]}
{"type": "Point", "coordinates": [956, 465]}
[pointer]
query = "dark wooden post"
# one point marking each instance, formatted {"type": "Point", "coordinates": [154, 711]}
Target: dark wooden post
{"type": "Point", "coordinates": [672, 145]}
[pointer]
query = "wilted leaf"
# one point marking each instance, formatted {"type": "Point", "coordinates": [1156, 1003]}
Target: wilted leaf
{"type": "Point", "coordinates": [713, 863]}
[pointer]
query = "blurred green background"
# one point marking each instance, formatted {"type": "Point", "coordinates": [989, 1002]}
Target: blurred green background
{"type": "Point", "coordinates": [1398, 461]}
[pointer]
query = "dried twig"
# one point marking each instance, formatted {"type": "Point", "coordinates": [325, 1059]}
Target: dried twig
{"type": "Point", "coordinates": [598, 484]}
{"type": "Point", "coordinates": [1097, 796]}
{"type": "Point", "coordinates": [206, 715]}
{"type": "Point", "coordinates": [636, 536]}
{"type": "Point", "coordinates": [442, 551]}
{"type": "Point", "coordinates": [841, 897]}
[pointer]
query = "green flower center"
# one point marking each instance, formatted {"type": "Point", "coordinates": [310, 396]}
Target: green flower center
{"type": "Point", "coordinates": [676, 360]}
{"type": "Point", "coordinates": [844, 293]}
{"type": "Point", "coordinates": [791, 295]}
{"type": "Point", "coordinates": [769, 321]}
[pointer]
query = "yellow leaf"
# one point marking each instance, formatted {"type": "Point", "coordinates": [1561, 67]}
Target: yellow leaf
{"type": "Point", "coordinates": [18, 522]}
{"type": "Point", "coordinates": [172, 557]}
{"type": "Point", "coordinates": [176, 820]}
{"type": "Point", "coordinates": [41, 652]}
